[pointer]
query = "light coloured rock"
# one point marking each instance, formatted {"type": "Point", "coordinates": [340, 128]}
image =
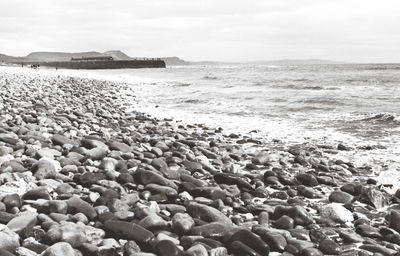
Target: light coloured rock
{"type": "Point", "coordinates": [23, 223]}
{"type": "Point", "coordinates": [182, 223]}
{"type": "Point", "coordinates": [336, 212]}
{"type": "Point", "coordinates": [22, 251]}
{"type": "Point", "coordinates": [66, 232]}
{"type": "Point", "coordinates": [9, 240]}
{"type": "Point", "coordinates": [61, 248]}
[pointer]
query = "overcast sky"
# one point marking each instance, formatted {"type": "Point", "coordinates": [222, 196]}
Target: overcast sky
{"type": "Point", "coordinates": [230, 30]}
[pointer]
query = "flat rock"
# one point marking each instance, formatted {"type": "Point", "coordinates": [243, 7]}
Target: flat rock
{"type": "Point", "coordinates": [23, 223]}
{"type": "Point", "coordinates": [75, 205]}
{"type": "Point", "coordinates": [336, 212]}
{"type": "Point", "coordinates": [182, 223]}
{"type": "Point", "coordinates": [207, 213]}
{"type": "Point", "coordinates": [9, 240]}
{"type": "Point", "coordinates": [129, 231]}
{"type": "Point", "coordinates": [61, 248]}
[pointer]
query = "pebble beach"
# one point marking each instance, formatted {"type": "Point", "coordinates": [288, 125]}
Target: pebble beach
{"type": "Point", "coordinates": [83, 173]}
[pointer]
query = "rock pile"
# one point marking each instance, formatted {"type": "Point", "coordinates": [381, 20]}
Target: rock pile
{"type": "Point", "coordinates": [82, 174]}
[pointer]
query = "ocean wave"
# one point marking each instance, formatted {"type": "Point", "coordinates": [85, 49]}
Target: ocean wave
{"type": "Point", "coordinates": [304, 87]}
{"type": "Point", "coordinates": [210, 77]}
{"type": "Point", "coordinates": [179, 84]}
{"type": "Point", "coordinates": [389, 118]}
{"type": "Point", "coordinates": [323, 101]}
{"type": "Point", "coordinates": [192, 101]}
{"type": "Point", "coordinates": [308, 108]}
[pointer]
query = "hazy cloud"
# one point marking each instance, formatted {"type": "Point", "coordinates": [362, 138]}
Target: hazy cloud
{"type": "Point", "coordinates": [352, 30]}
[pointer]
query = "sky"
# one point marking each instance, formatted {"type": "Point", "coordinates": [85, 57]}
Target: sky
{"type": "Point", "coordinates": [221, 30]}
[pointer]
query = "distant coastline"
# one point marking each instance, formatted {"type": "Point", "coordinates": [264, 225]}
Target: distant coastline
{"type": "Point", "coordinates": [169, 61]}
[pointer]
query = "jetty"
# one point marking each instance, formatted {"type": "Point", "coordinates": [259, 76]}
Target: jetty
{"type": "Point", "coordinates": [98, 62]}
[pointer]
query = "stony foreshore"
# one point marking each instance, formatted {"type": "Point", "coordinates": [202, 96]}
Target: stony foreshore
{"type": "Point", "coordinates": [82, 174]}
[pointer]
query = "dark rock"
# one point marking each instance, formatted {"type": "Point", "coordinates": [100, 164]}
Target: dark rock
{"type": "Point", "coordinates": [352, 189]}
{"type": "Point", "coordinates": [368, 231]}
{"type": "Point", "coordinates": [207, 213]}
{"type": "Point", "coordinates": [167, 248]}
{"type": "Point", "coordinates": [212, 230]}
{"type": "Point", "coordinates": [301, 160]}
{"type": "Point", "coordinates": [12, 200]}
{"type": "Point", "coordinates": [340, 197]}
{"type": "Point", "coordinates": [231, 179]}
{"type": "Point", "coordinates": [61, 140]}
{"type": "Point", "coordinates": [307, 179]}
{"type": "Point", "coordinates": [252, 240]}
{"type": "Point", "coordinates": [394, 220]}
{"type": "Point", "coordinates": [298, 213]}
{"type": "Point", "coordinates": [300, 244]}
{"type": "Point", "coordinates": [129, 231]}
{"type": "Point", "coordinates": [240, 249]}
{"type": "Point", "coordinates": [130, 248]}
{"type": "Point", "coordinates": [182, 223]}
{"type": "Point", "coordinates": [37, 193]}
{"type": "Point", "coordinates": [311, 252]}
{"type": "Point", "coordinates": [159, 163]}
{"type": "Point", "coordinates": [4, 252]}
{"type": "Point", "coordinates": [375, 198]}
{"type": "Point", "coordinates": [376, 248]}
{"type": "Point", "coordinates": [119, 146]}
{"type": "Point", "coordinates": [284, 222]}
{"type": "Point", "coordinates": [75, 205]}
{"type": "Point", "coordinates": [89, 178]}
{"type": "Point", "coordinates": [308, 192]}
{"type": "Point", "coordinates": [147, 177]}
{"type": "Point", "coordinates": [328, 246]}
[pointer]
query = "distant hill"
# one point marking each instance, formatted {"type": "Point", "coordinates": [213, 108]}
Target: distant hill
{"type": "Point", "coordinates": [59, 56]}
{"type": "Point", "coordinates": [66, 56]}
{"type": "Point", "coordinates": [174, 61]}
{"type": "Point", "coordinates": [297, 62]}
{"type": "Point", "coordinates": [169, 61]}
{"type": "Point", "coordinates": [6, 58]}
{"type": "Point", "coordinates": [117, 55]}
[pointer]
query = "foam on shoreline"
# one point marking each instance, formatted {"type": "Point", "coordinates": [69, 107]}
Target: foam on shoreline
{"type": "Point", "coordinates": [383, 160]}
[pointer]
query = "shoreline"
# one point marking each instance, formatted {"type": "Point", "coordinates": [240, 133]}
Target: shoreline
{"type": "Point", "coordinates": [181, 188]}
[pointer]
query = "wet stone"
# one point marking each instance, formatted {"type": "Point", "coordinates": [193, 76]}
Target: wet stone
{"type": "Point", "coordinates": [61, 248]}
{"type": "Point", "coordinates": [307, 179]}
{"type": "Point", "coordinates": [311, 252]}
{"type": "Point", "coordinates": [207, 213]}
{"type": "Point", "coordinates": [23, 223]}
{"type": "Point", "coordinates": [167, 248]}
{"type": "Point", "coordinates": [340, 197]}
{"type": "Point", "coordinates": [328, 246]}
{"type": "Point", "coordinates": [182, 223]}
{"type": "Point", "coordinates": [394, 220]}
{"type": "Point", "coordinates": [252, 240]}
{"type": "Point", "coordinates": [129, 231]}
{"type": "Point", "coordinates": [75, 205]}
{"type": "Point", "coordinates": [368, 231]}
{"type": "Point", "coordinates": [284, 222]}
{"type": "Point", "coordinates": [240, 248]}
{"type": "Point", "coordinates": [212, 230]}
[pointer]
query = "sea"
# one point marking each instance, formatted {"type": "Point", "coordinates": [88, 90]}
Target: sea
{"type": "Point", "coordinates": [357, 105]}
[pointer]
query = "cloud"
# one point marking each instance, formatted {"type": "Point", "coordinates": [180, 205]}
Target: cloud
{"type": "Point", "coordinates": [352, 30]}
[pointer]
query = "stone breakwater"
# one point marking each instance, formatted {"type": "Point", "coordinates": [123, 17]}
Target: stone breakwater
{"type": "Point", "coordinates": [82, 174]}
